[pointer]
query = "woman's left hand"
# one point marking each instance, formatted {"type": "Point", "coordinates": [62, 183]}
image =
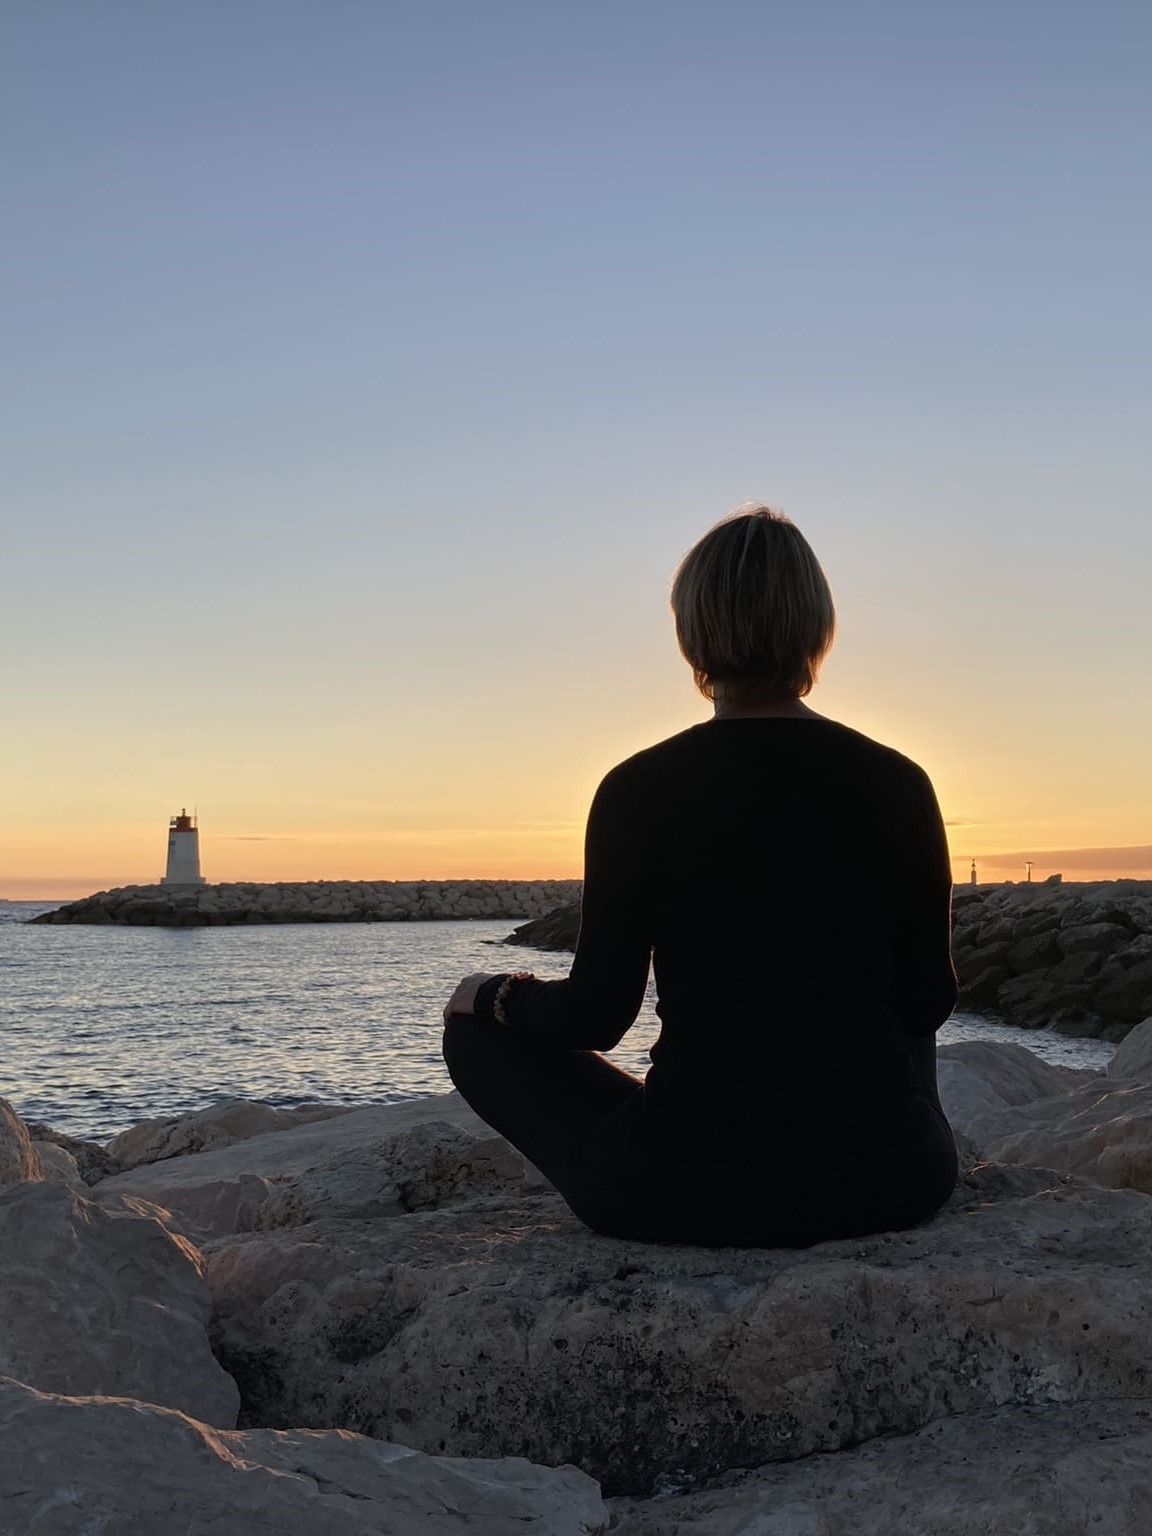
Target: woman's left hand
{"type": "Point", "coordinates": [463, 1000]}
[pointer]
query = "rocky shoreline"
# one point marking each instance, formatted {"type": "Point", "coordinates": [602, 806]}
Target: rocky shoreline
{"type": "Point", "coordinates": [323, 1320]}
{"type": "Point", "coordinates": [315, 901]}
{"type": "Point", "coordinates": [1076, 958]}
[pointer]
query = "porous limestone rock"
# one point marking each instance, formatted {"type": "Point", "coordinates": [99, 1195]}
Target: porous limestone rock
{"type": "Point", "coordinates": [380, 1161]}
{"type": "Point", "coordinates": [1048, 1471]}
{"type": "Point", "coordinates": [505, 1327]}
{"type": "Point", "coordinates": [219, 1125]}
{"type": "Point", "coordinates": [19, 1160]}
{"type": "Point", "coordinates": [97, 1300]}
{"type": "Point", "coordinates": [422, 1168]}
{"type": "Point", "coordinates": [84, 1466]}
{"type": "Point", "coordinates": [1133, 1058]}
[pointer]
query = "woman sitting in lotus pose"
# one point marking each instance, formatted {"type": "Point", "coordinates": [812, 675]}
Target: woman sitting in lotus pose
{"type": "Point", "coordinates": [788, 878]}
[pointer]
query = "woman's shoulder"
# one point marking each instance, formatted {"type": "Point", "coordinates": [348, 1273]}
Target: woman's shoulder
{"type": "Point", "coordinates": [816, 738]}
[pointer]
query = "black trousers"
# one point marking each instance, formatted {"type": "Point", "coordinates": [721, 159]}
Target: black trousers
{"type": "Point", "coordinates": [581, 1120]}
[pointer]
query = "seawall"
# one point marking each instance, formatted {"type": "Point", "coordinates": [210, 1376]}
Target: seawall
{"type": "Point", "coordinates": [317, 901]}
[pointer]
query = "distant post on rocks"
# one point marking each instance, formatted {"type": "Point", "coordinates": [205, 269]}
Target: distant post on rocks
{"type": "Point", "coordinates": [183, 852]}
{"type": "Point", "coordinates": [972, 874]}
{"type": "Point", "coordinates": [1028, 867]}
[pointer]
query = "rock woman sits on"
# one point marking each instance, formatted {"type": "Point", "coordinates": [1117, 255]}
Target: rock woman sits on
{"type": "Point", "coordinates": [788, 880]}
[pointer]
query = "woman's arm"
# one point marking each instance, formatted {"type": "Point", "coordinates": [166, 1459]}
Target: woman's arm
{"type": "Point", "coordinates": [925, 978]}
{"type": "Point", "coordinates": [595, 1005]}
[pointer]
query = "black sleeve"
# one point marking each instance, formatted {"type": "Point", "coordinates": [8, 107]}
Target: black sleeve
{"type": "Point", "coordinates": [925, 977]}
{"type": "Point", "coordinates": [594, 1006]}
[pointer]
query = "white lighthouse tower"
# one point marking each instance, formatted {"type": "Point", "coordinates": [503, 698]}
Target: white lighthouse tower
{"type": "Point", "coordinates": [183, 852]}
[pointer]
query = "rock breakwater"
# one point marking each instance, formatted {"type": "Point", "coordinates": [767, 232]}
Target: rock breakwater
{"type": "Point", "coordinates": [1073, 957]}
{"type": "Point", "coordinates": [316, 901]}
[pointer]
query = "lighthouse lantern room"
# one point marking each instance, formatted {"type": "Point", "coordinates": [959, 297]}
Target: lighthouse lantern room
{"type": "Point", "coordinates": [183, 852]}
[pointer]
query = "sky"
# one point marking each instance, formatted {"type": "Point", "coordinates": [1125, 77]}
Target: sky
{"type": "Point", "coordinates": [369, 365]}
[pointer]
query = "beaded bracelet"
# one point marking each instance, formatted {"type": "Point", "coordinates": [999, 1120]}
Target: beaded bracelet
{"type": "Point", "coordinates": [502, 992]}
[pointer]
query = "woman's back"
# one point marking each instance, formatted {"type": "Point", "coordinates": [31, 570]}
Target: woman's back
{"type": "Point", "coordinates": [797, 898]}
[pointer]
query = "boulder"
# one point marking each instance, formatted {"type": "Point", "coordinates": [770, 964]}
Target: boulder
{"type": "Point", "coordinates": [1133, 1058]}
{"type": "Point", "coordinates": [1044, 1471]}
{"type": "Point", "coordinates": [1101, 1131]}
{"type": "Point", "coordinates": [383, 1160]}
{"type": "Point", "coordinates": [555, 930]}
{"type": "Point", "coordinates": [96, 1300]}
{"type": "Point", "coordinates": [1021, 1110]}
{"type": "Point", "coordinates": [979, 1078]}
{"type": "Point", "coordinates": [78, 1466]}
{"type": "Point", "coordinates": [89, 1156]}
{"type": "Point", "coordinates": [220, 1125]}
{"type": "Point", "coordinates": [505, 1327]}
{"type": "Point", "coordinates": [1031, 1000]}
{"type": "Point", "coordinates": [1037, 952]}
{"type": "Point", "coordinates": [423, 1168]}
{"type": "Point", "coordinates": [1081, 1022]}
{"type": "Point", "coordinates": [979, 983]}
{"type": "Point", "coordinates": [58, 1166]}
{"type": "Point", "coordinates": [1078, 938]}
{"type": "Point", "coordinates": [1128, 995]}
{"type": "Point", "coordinates": [19, 1160]}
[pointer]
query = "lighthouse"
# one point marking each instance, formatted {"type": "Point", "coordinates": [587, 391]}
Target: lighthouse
{"type": "Point", "coordinates": [183, 852]}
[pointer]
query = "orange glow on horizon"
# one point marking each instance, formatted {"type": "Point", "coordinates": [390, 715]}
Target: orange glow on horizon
{"type": "Point", "coordinates": [460, 854]}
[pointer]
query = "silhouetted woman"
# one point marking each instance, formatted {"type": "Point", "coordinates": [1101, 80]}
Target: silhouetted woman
{"type": "Point", "coordinates": [789, 879]}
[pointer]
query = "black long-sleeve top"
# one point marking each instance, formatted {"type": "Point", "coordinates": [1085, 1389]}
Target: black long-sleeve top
{"type": "Point", "coordinates": [789, 879]}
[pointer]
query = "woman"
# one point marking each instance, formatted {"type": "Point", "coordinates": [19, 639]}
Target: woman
{"type": "Point", "coordinates": [789, 879]}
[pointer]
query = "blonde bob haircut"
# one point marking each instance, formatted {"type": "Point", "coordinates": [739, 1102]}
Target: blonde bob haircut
{"type": "Point", "coordinates": [753, 608]}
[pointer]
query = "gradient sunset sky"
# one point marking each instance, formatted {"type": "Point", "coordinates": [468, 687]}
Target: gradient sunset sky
{"type": "Point", "coordinates": [371, 365]}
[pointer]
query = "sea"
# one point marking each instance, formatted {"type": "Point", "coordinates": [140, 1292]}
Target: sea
{"type": "Point", "coordinates": [103, 1026]}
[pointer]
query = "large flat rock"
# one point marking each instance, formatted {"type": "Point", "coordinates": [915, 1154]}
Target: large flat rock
{"type": "Point", "coordinates": [1054, 1471]}
{"type": "Point", "coordinates": [113, 1467]}
{"type": "Point", "coordinates": [504, 1327]}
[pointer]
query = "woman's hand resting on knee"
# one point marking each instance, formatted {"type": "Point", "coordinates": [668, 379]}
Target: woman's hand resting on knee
{"type": "Point", "coordinates": [463, 1000]}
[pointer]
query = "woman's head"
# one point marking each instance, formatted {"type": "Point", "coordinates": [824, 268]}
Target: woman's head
{"type": "Point", "coordinates": [753, 609]}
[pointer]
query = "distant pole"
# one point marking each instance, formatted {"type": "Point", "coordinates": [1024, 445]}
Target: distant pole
{"type": "Point", "coordinates": [972, 874]}
{"type": "Point", "coordinates": [1028, 867]}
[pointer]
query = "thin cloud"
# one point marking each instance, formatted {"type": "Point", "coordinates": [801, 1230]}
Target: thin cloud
{"type": "Point", "coordinates": [1134, 856]}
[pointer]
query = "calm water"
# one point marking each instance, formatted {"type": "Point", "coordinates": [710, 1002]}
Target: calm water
{"type": "Point", "coordinates": [105, 1026]}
